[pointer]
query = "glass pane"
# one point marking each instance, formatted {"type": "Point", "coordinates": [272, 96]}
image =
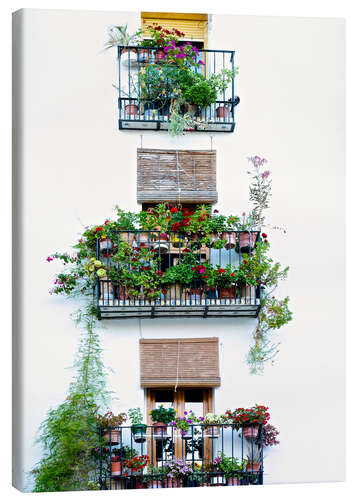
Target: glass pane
{"type": "Point", "coordinates": [194, 401]}
{"type": "Point", "coordinates": [165, 398]}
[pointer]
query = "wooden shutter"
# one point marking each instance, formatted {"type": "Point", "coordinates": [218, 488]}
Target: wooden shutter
{"type": "Point", "coordinates": [176, 175]}
{"type": "Point", "coordinates": [193, 25]}
{"type": "Point", "coordinates": [185, 362]}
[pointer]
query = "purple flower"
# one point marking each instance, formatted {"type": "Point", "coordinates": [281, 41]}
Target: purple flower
{"type": "Point", "coordinates": [201, 62]}
{"type": "Point", "coordinates": [49, 259]}
{"type": "Point", "coordinates": [243, 214]}
{"type": "Point", "coordinates": [185, 412]}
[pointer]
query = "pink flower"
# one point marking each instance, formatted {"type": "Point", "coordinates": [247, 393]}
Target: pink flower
{"type": "Point", "coordinates": [49, 259]}
{"type": "Point", "coordinates": [265, 174]}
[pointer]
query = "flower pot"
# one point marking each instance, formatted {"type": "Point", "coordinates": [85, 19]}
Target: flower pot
{"type": "Point", "coordinates": [143, 56]}
{"type": "Point", "coordinates": [250, 432]}
{"type": "Point", "coordinates": [125, 50]}
{"type": "Point", "coordinates": [161, 246]}
{"type": "Point", "coordinates": [160, 430]}
{"type": "Point", "coordinates": [246, 241]}
{"type": "Point", "coordinates": [218, 480]}
{"type": "Point", "coordinates": [233, 481]}
{"type": "Point", "coordinates": [227, 293]}
{"type": "Point", "coordinates": [231, 240]}
{"type": "Point", "coordinates": [253, 467]}
{"type": "Point", "coordinates": [170, 482]}
{"type": "Point", "coordinates": [211, 293]}
{"type": "Point", "coordinates": [139, 433]}
{"type": "Point", "coordinates": [113, 436]}
{"type": "Point", "coordinates": [116, 468]}
{"type": "Point", "coordinates": [105, 245]}
{"type": "Point", "coordinates": [131, 110]}
{"type": "Point", "coordinates": [212, 431]}
{"type": "Point", "coordinates": [222, 112]}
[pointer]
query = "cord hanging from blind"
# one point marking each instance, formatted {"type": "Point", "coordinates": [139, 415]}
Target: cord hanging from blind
{"type": "Point", "coordinates": [177, 365]}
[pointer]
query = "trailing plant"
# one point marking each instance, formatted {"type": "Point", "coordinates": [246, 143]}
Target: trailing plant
{"type": "Point", "coordinates": [111, 420]}
{"type": "Point", "coordinates": [178, 468]}
{"type": "Point", "coordinates": [256, 415]}
{"type": "Point", "coordinates": [69, 433]}
{"type": "Point", "coordinates": [184, 423]}
{"type": "Point", "coordinates": [269, 436]}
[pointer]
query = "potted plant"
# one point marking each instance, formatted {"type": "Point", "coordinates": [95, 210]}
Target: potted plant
{"type": "Point", "coordinates": [269, 436]}
{"type": "Point", "coordinates": [138, 429]}
{"type": "Point", "coordinates": [119, 37]}
{"type": "Point", "coordinates": [161, 417]}
{"type": "Point", "coordinates": [212, 425]}
{"type": "Point", "coordinates": [249, 419]}
{"type": "Point", "coordinates": [179, 471]}
{"type": "Point", "coordinates": [229, 470]}
{"type": "Point", "coordinates": [134, 468]}
{"type": "Point", "coordinates": [253, 463]}
{"type": "Point", "coordinates": [184, 424]}
{"type": "Point", "coordinates": [108, 422]}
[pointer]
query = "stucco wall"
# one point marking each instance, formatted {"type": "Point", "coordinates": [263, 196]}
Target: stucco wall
{"type": "Point", "coordinates": [77, 166]}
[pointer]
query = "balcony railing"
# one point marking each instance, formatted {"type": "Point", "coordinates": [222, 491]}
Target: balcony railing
{"type": "Point", "coordinates": [138, 111]}
{"type": "Point", "coordinates": [114, 300]}
{"type": "Point", "coordinates": [201, 450]}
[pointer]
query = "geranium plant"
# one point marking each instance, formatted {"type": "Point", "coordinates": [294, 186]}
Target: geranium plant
{"type": "Point", "coordinates": [136, 464]}
{"type": "Point", "coordinates": [111, 420]}
{"type": "Point", "coordinates": [256, 415]}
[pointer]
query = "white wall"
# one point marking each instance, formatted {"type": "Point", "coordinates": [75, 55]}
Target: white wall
{"type": "Point", "coordinates": [77, 166]}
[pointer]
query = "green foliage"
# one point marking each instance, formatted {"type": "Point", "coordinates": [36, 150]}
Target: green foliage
{"type": "Point", "coordinates": [69, 433]}
{"type": "Point", "coordinates": [162, 414]}
{"type": "Point", "coordinates": [135, 415]}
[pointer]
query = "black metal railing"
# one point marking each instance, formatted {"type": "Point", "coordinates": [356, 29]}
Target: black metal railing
{"type": "Point", "coordinates": [137, 110]}
{"type": "Point", "coordinates": [212, 455]}
{"type": "Point", "coordinates": [226, 250]}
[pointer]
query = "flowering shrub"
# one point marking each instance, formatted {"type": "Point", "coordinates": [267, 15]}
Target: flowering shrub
{"type": "Point", "coordinates": [178, 468]}
{"type": "Point", "coordinates": [159, 36]}
{"type": "Point", "coordinates": [136, 464]}
{"type": "Point", "coordinates": [258, 414]}
{"type": "Point", "coordinates": [184, 423]}
{"type": "Point", "coordinates": [230, 466]}
{"type": "Point", "coordinates": [111, 420]}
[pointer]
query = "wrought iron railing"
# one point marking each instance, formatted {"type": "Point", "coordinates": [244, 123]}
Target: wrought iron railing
{"type": "Point", "coordinates": [202, 450]}
{"type": "Point", "coordinates": [114, 299]}
{"type": "Point", "coordinates": [137, 111]}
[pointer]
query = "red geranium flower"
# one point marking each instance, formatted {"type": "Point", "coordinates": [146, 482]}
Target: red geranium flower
{"type": "Point", "coordinates": [264, 235]}
{"type": "Point", "coordinates": [173, 210]}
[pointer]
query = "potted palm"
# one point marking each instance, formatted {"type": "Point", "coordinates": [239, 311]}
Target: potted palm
{"type": "Point", "coordinates": [138, 429]}
{"type": "Point", "coordinates": [161, 417]}
{"type": "Point", "coordinates": [253, 463]}
{"type": "Point", "coordinates": [118, 36]}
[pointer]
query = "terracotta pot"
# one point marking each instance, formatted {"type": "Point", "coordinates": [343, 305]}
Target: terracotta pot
{"type": "Point", "coordinates": [115, 436]}
{"type": "Point", "coordinates": [116, 468]}
{"type": "Point", "coordinates": [158, 55]}
{"type": "Point", "coordinates": [222, 112]}
{"type": "Point", "coordinates": [250, 432]}
{"type": "Point", "coordinates": [170, 482]}
{"type": "Point", "coordinates": [246, 240]}
{"type": "Point", "coordinates": [233, 481]}
{"type": "Point", "coordinates": [212, 431]}
{"type": "Point", "coordinates": [227, 293]}
{"type": "Point", "coordinates": [160, 429]}
{"type": "Point", "coordinates": [231, 240]}
{"type": "Point", "coordinates": [132, 110]}
{"type": "Point", "coordinates": [144, 55]}
{"type": "Point", "coordinates": [105, 245]}
{"type": "Point", "coordinates": [252, 467]}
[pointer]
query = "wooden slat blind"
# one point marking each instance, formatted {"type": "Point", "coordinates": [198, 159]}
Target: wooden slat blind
{"type": "Point", "coordinates": [185, 362]}
{"type": "Point", "coordinates": [176, 175]}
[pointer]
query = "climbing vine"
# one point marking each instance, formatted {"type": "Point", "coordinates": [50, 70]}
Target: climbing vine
{"type": "Point", "coordinates": [69, 434]}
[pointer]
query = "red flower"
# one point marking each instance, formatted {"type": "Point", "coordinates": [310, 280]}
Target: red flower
{"type": "Point", "coordinates": [173, 210]}
{"type": "Point", "coordinates": [186, 212]}
{"type": "Point", "coordinates": [221, 271]}
{"type": "Point", "coordinates": [186, 222]}
{"type": "Point", "coordinates": [232, 274]}
{"type": "Point", "coordinates": [98, 229]}
{"type": "Point", "coordinates": [264, 235]}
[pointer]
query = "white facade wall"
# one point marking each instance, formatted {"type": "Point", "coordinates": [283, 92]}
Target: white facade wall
{"type": "Point", "coordinates": [77, 166]}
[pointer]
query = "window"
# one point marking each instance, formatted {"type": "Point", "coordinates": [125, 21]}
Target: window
{"type": "Point", "coordinates": [193, 25]}
{"type": "Point", "coordinates": [200, 401]}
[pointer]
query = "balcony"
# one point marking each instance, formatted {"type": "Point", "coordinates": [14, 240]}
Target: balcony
{"type": "Point", "coordinates": [174, 290]}
{"type": "Point", "coordinates": [145, 97]}
{"type": "Point", "coordinates": [201, 449]}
